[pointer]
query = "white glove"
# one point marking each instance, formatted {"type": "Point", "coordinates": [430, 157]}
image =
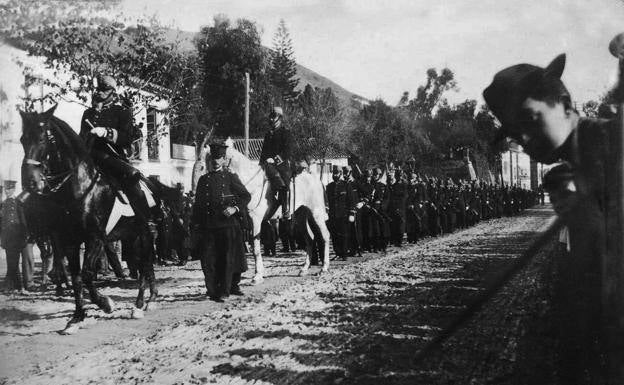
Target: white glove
{"type": "Point", "coordinates": [351, 218]}
{"type": "Point", "coordinates": [99, 131]}
{"type": "Point", "coordinates": [270, 160]}
{"type": "Point", "coordinates": [360, 205]}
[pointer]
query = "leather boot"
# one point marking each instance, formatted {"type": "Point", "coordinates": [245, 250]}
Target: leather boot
{"type": "Point", "coordinates": [282, 198]}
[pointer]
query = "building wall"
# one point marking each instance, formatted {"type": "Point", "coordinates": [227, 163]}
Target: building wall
{"type": "Point", "coordinates": [170, 171]}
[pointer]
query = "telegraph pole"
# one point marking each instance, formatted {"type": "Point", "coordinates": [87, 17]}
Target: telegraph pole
{"type": "Point", "coordinates": [247, 114]}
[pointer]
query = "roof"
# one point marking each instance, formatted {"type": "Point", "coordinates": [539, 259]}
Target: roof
{"type": "Point", "coordinates": [305, 146]}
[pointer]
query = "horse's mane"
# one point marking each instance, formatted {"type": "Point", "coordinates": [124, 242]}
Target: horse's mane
{"type": "Point", "coordinates": [243, 166]}
{"type": "Point", "coordinates": [72, 142]}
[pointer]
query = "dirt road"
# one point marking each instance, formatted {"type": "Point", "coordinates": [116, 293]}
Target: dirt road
{"type": "Point", "coordinates": [360, 323]}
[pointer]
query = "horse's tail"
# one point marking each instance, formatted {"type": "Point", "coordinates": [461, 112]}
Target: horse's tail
{"type": "Point", "coordinates": [308, 233]}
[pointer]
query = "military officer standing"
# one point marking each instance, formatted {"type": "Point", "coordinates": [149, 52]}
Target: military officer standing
{"type": "Point", "coordinates": [220, 201]}
{"type": "Point", "coordinates": [13, 238]}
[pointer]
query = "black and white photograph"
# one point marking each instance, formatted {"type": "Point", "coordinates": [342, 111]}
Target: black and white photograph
{"type": "Point", "coordinates": [311, 192]}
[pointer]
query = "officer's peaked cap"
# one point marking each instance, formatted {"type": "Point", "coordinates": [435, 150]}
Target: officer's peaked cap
{"type": "Point", "coordinates": [218, 148]}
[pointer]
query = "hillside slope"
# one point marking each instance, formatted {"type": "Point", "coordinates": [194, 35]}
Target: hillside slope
{"type": "Point", "coordinates": [306, 75]}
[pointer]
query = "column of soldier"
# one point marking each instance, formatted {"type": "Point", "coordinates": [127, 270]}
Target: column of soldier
{"type": "Point", "coordinates": [367, 215]}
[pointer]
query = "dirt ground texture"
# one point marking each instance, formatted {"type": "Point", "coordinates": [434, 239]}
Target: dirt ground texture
{"type": "Point", "coordinates": [361, 323]}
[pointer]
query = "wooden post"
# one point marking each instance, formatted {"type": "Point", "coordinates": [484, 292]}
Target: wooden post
{"type": "Point", "coordinates": [247, 114]}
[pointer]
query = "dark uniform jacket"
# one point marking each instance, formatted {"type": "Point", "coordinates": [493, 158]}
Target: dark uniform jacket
{"type": "Point", "coordinates": [115, 117]}
{"type": "Point", "coordinates": [397, 198]}
{"type": "Point", "coordinates": [340, 199]}
{"type": "Point", "coordinates": [13, 231]}
{"type": "Point", "coordinates": [277, 142]}
{"type": "Point", "coordinates": [216, 191]}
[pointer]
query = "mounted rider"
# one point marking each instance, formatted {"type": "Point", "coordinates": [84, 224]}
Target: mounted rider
{"type": "Point", "coordinates": [276, 159]}
{"type": "Point", "coordinates": [108, 129]}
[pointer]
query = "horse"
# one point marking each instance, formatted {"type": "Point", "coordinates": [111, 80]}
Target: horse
{"type": "Point", "coordinates": [306, 191]}
{"type": "Point", "coordinates": [57, 166]}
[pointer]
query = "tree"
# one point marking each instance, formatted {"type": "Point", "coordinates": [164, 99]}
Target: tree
{"type": "Point", "coordinates": [317, 117]}
{"type": "Point", "coordinates": [283, 72]}
{"type": "Point", "coordinates": [429, 95]}
{"type": "Point", "coordinates": [382, 134]}
{"type": "Point", "coordinates": [226, 52]}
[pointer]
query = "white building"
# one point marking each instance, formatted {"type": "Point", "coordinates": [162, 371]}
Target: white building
{"type": "Point", "coordinates": [157, 161]}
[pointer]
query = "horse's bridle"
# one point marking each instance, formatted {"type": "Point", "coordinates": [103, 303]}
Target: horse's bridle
{"type": "Point", "coordinates": [54, 182]}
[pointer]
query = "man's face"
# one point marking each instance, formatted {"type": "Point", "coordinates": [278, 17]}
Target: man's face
{"type": "Point", "coordinates": [542, 129]}
{"type": "Point", "coordinates": [103, 94]}
{"type": "Point", "coordinates": [336, 176]}
{"type": "Point", "coordinates": [217, 163]}
{"type": "Point", "coordinates": [9, 192]}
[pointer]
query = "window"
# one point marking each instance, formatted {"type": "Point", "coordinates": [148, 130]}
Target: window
{"type": "Point", "coordinates": [152, 134]}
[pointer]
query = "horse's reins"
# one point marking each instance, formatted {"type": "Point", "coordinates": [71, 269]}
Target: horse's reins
{"type": "Point", "coordinates": [66, 175]}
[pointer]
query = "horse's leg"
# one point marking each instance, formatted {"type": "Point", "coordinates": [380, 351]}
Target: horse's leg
{"type": "Point", "coordinates": [259, 276]}
{"type": "Point", "coordinates": [148, 272]}
{"type": "Point", "coordinates": [73, 257]}
{"type": "Point", "coordinates": [324, 245]}
{"type": "Point", "coordinates": [93, 250]}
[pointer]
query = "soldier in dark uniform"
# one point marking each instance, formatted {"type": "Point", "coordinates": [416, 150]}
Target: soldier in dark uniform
{"type": "Point", "coordinates": [107, 128]}
{"type": "Point", "coordinates": [355, 214]}
{"type": "Point", "coordinates": [397, 202]}
{"type": "Point", "coordinates": [381, 223]}
{"type": "Point", "coordinates": [414, 210]}
{"type": "Point", "coordinates": [340, 202]}
{"type": "Point", "coordinates": [13, 239]}
{"type": "Point", "coordinates": [276, 158]}
{"type": "Point", "coordinates": [220, 202]}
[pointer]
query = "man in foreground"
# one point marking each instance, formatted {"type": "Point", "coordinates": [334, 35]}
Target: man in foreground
{"type": "Point", "coordinates": [535, 110]}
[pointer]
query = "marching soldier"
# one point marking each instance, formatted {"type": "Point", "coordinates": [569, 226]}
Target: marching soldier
{"type": "Point", "coordinates": [220, 201]}
{"type": "Point", "coordinates": [381, 225]}
{"type": "Point", "coordinates": [340, 203]}
{"type": "Point", "coordinates": [414, 211]}
{"type": "Point", "coordinates": [397, 202]}
{"type": "Point", "coordinates": [355, 214]}
{"type": "Point", "coordinates": [276, 158]}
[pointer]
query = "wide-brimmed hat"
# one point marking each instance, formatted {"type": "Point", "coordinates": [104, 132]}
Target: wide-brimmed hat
{"type": "Point", "coordinates": [511, 86]}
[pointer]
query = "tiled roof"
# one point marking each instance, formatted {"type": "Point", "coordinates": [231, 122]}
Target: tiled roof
{"type": "Point", "coordinates": [305, 146]}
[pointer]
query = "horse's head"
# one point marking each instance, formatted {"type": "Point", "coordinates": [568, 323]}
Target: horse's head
{"type": "Point", "coordinates": [38, 141]}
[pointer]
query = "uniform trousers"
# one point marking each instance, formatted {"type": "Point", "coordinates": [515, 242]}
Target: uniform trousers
{"type": "Point", "coordinates": [222, 260]}
{"type": "Point", "coordinates": [13, 280]}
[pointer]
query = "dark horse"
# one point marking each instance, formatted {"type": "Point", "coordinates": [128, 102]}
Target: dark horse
{"type": "Point", "coordinates": [57, 165]}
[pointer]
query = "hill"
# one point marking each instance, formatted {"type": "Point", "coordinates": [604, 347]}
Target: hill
{"type": "Point", "coordinates": [306, 75]}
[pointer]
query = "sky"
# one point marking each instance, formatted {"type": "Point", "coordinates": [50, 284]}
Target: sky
{"type": "Point", "coordinates": [379, 49]}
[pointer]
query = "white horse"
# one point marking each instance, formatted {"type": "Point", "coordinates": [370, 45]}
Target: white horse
{"type": "Point", "coordinates": [305, 190]}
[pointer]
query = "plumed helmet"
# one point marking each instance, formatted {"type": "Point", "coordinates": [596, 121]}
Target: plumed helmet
{"type": "Point", "coordinates": [106, 82]}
